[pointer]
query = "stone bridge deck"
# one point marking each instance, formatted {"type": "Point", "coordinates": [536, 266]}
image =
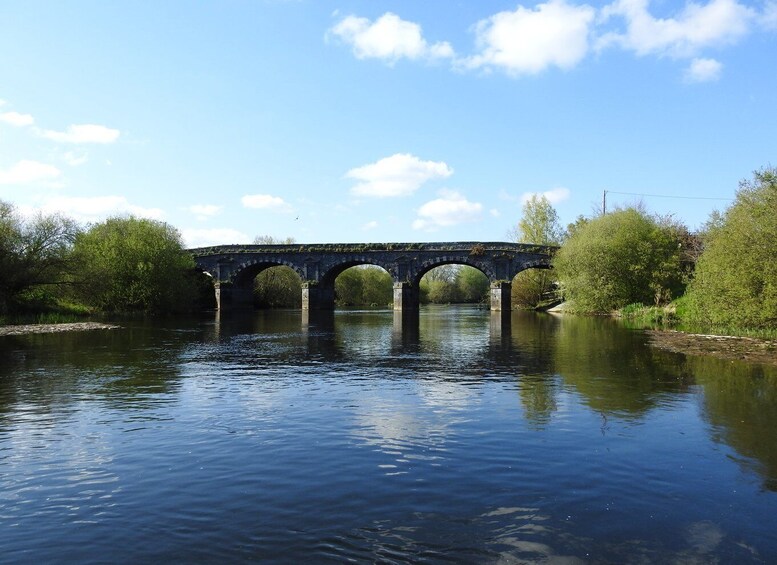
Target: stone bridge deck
{"type": "Point", "coordinates": [234, 267]}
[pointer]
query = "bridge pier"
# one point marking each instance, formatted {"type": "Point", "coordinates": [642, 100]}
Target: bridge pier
{"type": "Point", "coordinates": [406, 297]}
{"type": "Point", "coordinates": [500, 296]}
{"type": "Point", "coordinates": [316, 297]}
{"type": "Point", "coordinates": [231, 297]}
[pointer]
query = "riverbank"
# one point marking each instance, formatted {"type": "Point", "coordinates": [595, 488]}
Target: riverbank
{"type": "Point", "coordinates": [749, 349]}
{"type": "Point", "coordinates": [25, 329]}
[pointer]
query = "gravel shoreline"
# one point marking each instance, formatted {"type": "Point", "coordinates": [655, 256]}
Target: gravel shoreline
{"type": "Point", "coordinates": [748, 349]}
{"type": "Point", "coordinates": [54, 328]}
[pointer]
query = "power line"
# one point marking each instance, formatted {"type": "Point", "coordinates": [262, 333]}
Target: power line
{"type": "Point", "coordinates": [605, 192]}
{"type": "Point", "coordinates": [668, 196]}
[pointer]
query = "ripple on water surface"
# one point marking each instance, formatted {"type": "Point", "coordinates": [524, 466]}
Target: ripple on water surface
{"type": "Point", "coordinates": [351, 440]}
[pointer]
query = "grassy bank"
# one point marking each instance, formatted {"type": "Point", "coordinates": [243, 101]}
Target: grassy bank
{"type": "Point", "coordinates": [673, 317]}
{"type": "Point", "coordinates": [56, 312]}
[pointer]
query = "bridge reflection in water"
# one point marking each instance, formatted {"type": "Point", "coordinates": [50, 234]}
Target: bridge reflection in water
{"type": "Point", "coordinates": [234, 267]}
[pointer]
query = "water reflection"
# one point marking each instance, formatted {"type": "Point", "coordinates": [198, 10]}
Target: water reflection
{"type": "Point", "coordinates": [376, 436]}
{"type": "Point", "coordinates": [740, 402]}
{"type": "Point", "coordinates": [613, 370]}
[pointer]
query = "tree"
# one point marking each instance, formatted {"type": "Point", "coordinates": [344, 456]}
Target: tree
{"type": "Point", "coordinates": [377, 288]}
{"type": "Point", "coordinates": [472, 284]}
{"type": "Point", "coordinates": [539, 224]}
{"type": "Point", "coordinates": [438, 285]}
{"type": "Point", "coordinates": [34, 253]}
{"type": "Point", "coordinates": [131, 264]}
{"type": "Point", "coordinates": [621, 258]}
{"type": "Point", "coordinates": [735, 284]}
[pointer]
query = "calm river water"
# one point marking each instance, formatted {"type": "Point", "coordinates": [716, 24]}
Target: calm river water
{"type": "Point", "coordinates": [348, 438]}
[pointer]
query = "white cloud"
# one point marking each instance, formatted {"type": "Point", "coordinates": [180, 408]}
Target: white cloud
{"type": "Point", "coordinates": [75, 159]}
{"type": "Point", "coordinates": [449, 210]}
{"type": "Point", "coordinates": [266, 202]}
{"type": "Point", "coordinates": [28, 172]}
{"type": "Point", "coordinates": [214, 236]}
{"type": "Point", "coordinates": [554, 195]}
{"type": "Point", "coordinates": [204, 211]}
{"type": "Point", "coordinates": [716, 23]}
{"type": "Point", "coordinates": [83, 133]}
{"type": "Point", "coordinates": [389, 37]}
{"type": "Point", "coordinates": [97, 208]}
{"type": "Point", "coordinates": [17, 119]}
{"type": "Point", "coordinates": [703, 70]}
{"type": "Point", "coordinates": [398, 175]}
{"type": "Point", "coordinates": [527, 41]}
{"type": "Point", "coordinates": [769, 16]}
{"type": "Point", "coordinates": [370, 225]}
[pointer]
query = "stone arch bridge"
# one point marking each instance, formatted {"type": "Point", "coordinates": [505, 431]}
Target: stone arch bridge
{"type": "Point", "coordinates": [234, 267]}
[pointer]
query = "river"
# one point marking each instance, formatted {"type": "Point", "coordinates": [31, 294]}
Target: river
{"type": "Point", "coordinates": [357, 437]}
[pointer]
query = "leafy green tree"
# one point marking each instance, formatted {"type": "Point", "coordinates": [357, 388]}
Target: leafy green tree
{"type": "Point", "coordinates": [377, 288]}
{"type": "Point", "coordinates": [621, 258]}
{"type": "Point", "coordinates": [135, 264]}
{"type": "Point", "coordinates": [735, 283]}
{"type": "Point", "coordinates": [35, 254]}
{"type": "Point", "coordinates": [539, 224]}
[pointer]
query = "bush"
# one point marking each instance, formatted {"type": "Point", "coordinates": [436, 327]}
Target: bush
{"type": "Point", "coordinates": [735, 283]}
{"type": "Point", "coordinates": [135, 264]}
{"type": "Point", "coordinates": [617, 259]}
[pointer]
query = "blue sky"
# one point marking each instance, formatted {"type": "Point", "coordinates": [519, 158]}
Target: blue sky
{"type": "Point", "coordinates": [381, 121]}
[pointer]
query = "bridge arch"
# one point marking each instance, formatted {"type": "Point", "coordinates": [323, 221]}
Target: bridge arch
{"type": "Point", "coordinates": [246, 272]}
{"type": "Point", "coordinates": [330, 275]}
{"type": "Point", "coordinates": [538, 264]}
{"type": "Point", "coordinates": [442, 261]}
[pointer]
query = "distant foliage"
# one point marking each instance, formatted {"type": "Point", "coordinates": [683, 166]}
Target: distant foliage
{"type": "Point", "coordinates": [735, 284]}
{"type": "Point", "coordinates": [270, 240]}
{"type": "Point", "coordinates": [454, 284]}
{"type": "Point", "coordinates": [135, 264]}
{"type": "Point", "coordinates": [623, 257]}
{"type": "Point", "coordinates": [364, 286]}
{"type": "Point", "coordinates": [278, 287]}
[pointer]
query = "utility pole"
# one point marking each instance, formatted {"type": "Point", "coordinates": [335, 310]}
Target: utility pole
{"type": "Point", "coordinates": [604, 202]}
